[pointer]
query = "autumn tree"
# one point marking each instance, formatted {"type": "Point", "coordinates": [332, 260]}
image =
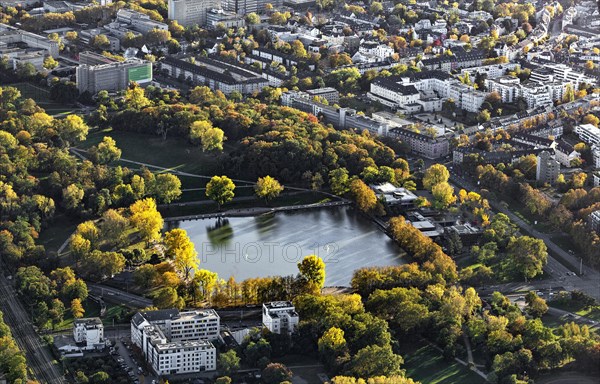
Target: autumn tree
{"type": "Point", "coordinates": [180, 248]}
{"type": "Point", "coordinates": [146, 219]}
{"type": "Point", "coordinates": [443, 195]}
{"type": "Point", "coordinates": [229, 362]}
{"type": "Point", "coordinates": [312, 268]}
{"type": "Point", "coordinates": [210, 137]}
{"type": "Point", "coordinates": [365, 197]}
{"type": "Point", "coordinates": [267, 188]}
{"type": "Point", "coordinates": [220, 189]}
{"type": "Point", "coordinates": [437, 173]}
{"type": "Point", "coordinates": [77, 309]}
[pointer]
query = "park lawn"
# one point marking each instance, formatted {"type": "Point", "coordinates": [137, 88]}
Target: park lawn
{"type": "Point", "coordinates": [92, 309]}
{"type": "Point", "coordinates": [577, 308]}
{"type": "Point", "coordinates": [427, 365]}
{"type": "Point", "coordinates": [42, 98]}
{"type": "Point", "coordinates": [61, 228]}
{"type": "Point", "coordinates": [174, 153]}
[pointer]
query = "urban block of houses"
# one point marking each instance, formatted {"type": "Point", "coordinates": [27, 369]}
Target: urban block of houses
{"type": "Point", "coordinates": [174, 342]}
{"type": "Point", "coordinates": [424, 92]}
{"type": "Point", "coordinates": [215, 75]}
{"type": "Point", "coordinates": [280, 317]}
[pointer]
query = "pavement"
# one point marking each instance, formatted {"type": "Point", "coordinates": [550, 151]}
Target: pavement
{"type": "Point", "coordinates": [39, 358]}
{"type": "Point", "coordinates": [118, 296]}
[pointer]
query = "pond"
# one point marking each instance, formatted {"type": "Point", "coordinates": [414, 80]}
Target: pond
{"type": "Point", "coordinates": [272, 244]}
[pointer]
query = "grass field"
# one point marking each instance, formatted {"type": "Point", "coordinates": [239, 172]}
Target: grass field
{"type": "Point", "coordinates": [57, 232]}
{"type": "Point", "coordinates": [92, 309]}
{"type": "Point", "coordinates": [174, 152]}
{"type": "Point", "coordinates": [592, 313]}
{"type": "Point", "coordinates": [427, 365]}
{"type": "Point", "coordinates": [42, 98]}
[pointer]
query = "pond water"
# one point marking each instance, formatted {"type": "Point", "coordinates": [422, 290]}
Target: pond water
{"type": "Point", "coordinates": [272, 244]}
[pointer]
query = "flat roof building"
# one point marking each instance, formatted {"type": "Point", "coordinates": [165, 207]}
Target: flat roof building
{"type": "Point", "coordinates": [114, 76]}
{"type": "Point", "coordinates": [280, 317]}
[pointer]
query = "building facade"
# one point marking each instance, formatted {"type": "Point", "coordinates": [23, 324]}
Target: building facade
{"type": "Point", "coordinates": [280, 317]}
{"type": "Point", "coordinates": [191, 12]}
{"type": "Point", "coordinates": [89, 331]}
{"type": "Point", "coordinates": [114, 76]}
{"type": "Point", "coordinates": [548, 168]}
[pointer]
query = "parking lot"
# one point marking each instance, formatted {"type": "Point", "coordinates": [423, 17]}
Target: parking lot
{"type": "Point", "coordinates": [123, 353]}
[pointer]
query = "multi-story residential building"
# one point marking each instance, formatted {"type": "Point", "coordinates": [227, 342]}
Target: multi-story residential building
{"type": "Point", "coordinates": [491, 71]}
{"type": "Point", "coordinates": [548, 168]}
{"type": "Point", "coordinates": [376, 50]}
{"type": "Point", "coordinates": [215, 17]}
{"type": "Point", "coordinates": [139, 21]}
{"type": "Point", "coordinates": [596, 177]}
{"type": "Point", "coordinates": [12, 35]}
{"type": "Point", "coordinates": [588, 134]}
{"type": "Point", "coordinates": [343, 118]}
{"type": "Point", "coordinates": [330, 94]}
{"type": "Point", "coordinates": [460, 59]}
{"type": "Point", "coordinates": [594, 220]}
{"type": "Point", "coordinates": [596, 156]}
{"type": "Point", "coordinates": [280, 317]}
{"type": "Point", "coordinates": [191, 12]}
{"type": "Point", "coordinates": [178, 326]}
{"type": "Point", "coordinates": [169, 357]}
{"type": "Point", "coordinates": [426, 146]}
{"type": "Point", "coordinates": [565, 154]}
{"type": "Point", "coordinates": [215, 74]}
{"type": "Point", "coordinates": [177, 342]}
{"type": "Point", "coordinates": [89, 331]}
{"type": "Point", "coordinates": [243, 7]}
{"type": "Point", "coordinates": [391, 92]}
{"type": "Point", "coordinates": [114, 76]}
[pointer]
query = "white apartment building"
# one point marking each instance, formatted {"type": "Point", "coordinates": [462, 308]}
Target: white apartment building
{"type": "Point", "coordinates": [89, 331]}
{"type": "Point", "coordinates": [12, 35]}
{"type": "Point", "coordinates": [191, 12]}
{"type": "Point", "coordinates": [169, 357]}
{"type": "Point", "coordinates": [596, 156]}
{"type": "Point", "coordinates": [588, 134]}
{"type": "Point", "coordinates": [178, 326]}
{"type": "Point", "coordinates": [381, 51]}
{"type": "Point", "coordinates": [176, 342]}
{"type": "Point", "coordinates": [280, 317]}
{"type": "Point", "coordinates": [466, 97]}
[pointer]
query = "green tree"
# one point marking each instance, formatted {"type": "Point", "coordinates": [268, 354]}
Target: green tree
{"type": "Point", "coordinates": [339, 181]}
{"type": "Point", "coordinates": [375, 360]}
{"type": "Point", "coordinates": [220, 189]}
{"type": "Point", "coordinates": [267, 188]}
{"type": "Point", "coordinates": [167, 188]}
{"type": "Point", "coordinates": [106, 151]}
{"type": "Point", "coordinates": [276, 373]}
{"type": "Point", "coordinates": [536, 306]}
{"type": "Point", "coordinates": [168, 298]}
{"type": "Point", "coordinates": [229, 362]}
{"type": "Point", "coordinates": [252, 18]}
{"type": "Point", "coordinates": [527, 256]}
